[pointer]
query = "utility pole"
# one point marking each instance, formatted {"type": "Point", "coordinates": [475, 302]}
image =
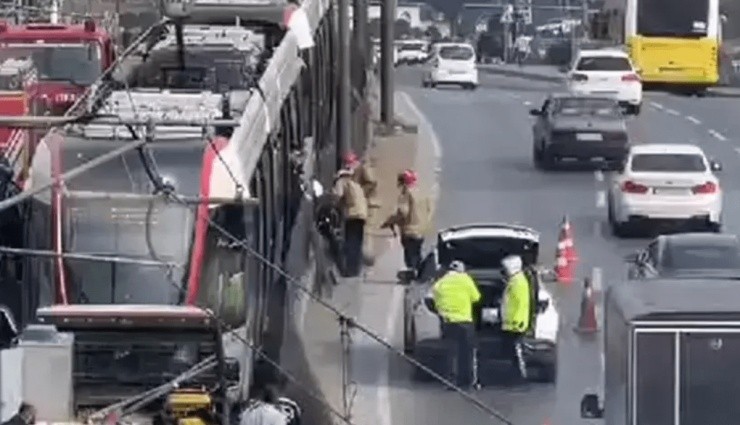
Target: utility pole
{"type": "Point", "coordinates": [387, 21]}
{"type": "Point", "coordinates": [361, 35]}
{"type": "Point", "coordinates": [345, 78]}
{"type": "Point", "coordinates": [584, 20]}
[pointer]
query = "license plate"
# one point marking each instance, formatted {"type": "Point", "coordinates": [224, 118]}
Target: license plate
{"type": "Point", "coordinates": [490, 315]}
{"type": "Point", "coordinates": [670, 191]}
{"type": "Point", "coordinates": [589, 137]}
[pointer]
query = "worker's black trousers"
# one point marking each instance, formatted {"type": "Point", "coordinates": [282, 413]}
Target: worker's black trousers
{"type": "Point", "coordinates": [354, 235]}
{"type": "Point", "coordinates": [411, 251]}
{"type": "Point", "coordinates": [460, 343]}
{"type": "Point", "coordinates": [512, 345]}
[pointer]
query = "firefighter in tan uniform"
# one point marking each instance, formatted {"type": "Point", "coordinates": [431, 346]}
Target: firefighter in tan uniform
{"type": "Point", "coordinates": [411, 216]}
{"type": "Point", "coordinates": [364, 174]}
{"type": "Point", "coordinates": [353, 203]}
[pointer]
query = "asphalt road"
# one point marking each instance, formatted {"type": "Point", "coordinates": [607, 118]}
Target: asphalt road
{"type": "Point", "coordinates": [488, 176]}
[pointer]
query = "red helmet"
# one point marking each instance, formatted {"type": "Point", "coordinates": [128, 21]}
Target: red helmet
{"type": "Point", "coordinates": [407, 178]}
{"type": "Point", "coordinates": [350, 159]}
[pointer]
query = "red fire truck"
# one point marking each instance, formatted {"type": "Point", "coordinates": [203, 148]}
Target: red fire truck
{"type": "Point", "coordinates": [18, 80]}
{"type": "Point", "coordinates": [68, 58]}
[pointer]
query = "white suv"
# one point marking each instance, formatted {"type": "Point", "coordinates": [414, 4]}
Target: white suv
{"type": "Point", "coordinates": [606, 73]}
{"type": "Point", "coordinates": [452, 64]}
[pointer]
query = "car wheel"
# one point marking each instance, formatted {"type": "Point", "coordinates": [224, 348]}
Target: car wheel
{"type": "Point", "coordinates": [425, 84]}
{"type": "Point", "coordinates": [635, 109]}
{"type": "Point", "coordinates": [409, 334]}
{"type": "Point", "coordinates": [547, 161]}
{"type": "Point", "coordinates": [472, 87]}
{"type": "Point", "coordinates": [536, 155]}
{"type": "Point", "coordinates": [545, 373]}
{"type": "Point", "coordinates": [714, 227]}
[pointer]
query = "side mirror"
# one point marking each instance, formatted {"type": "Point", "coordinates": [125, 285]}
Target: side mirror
{"type": "Point", "coordinates": [232, 370]}
{"type": "Point", "coordinates": [535, 112]}
{"type": "Point", "coordinates": [590, 408]}
{"type": "Point", "coordinates": [406, 276]}
{"type": "Point", "coordinates": [8, 328]}
{"type": "Point", "coordinates": [715, 166]}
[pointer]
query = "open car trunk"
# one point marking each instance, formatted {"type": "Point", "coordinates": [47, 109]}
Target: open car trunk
{"type": "Point", "coordinates": [482, 256]}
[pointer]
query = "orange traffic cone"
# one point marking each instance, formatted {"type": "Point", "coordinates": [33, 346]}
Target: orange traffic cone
{"type": "Point", "coordinates": [566, 242]}
{"type": "Point", "coordinates": [563, 268]}
{"type": "Point", "coordinates": [587, 323]}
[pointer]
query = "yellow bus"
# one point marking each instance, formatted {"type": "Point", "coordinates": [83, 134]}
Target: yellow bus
{"type": "Point", "coordinates": [673, 43]}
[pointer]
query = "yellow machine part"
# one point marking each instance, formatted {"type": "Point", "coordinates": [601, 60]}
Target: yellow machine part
{"type": "Point", "coordinates": [185, 403]}
{"type": "Point", "coordinates": [191, 421]}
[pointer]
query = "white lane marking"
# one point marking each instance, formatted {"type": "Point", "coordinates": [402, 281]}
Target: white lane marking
{"type": "Point", "coordinates": [527, 103]}
{"type": "Point", "coordinates": [599, 175]}
{"type": "Point", "coordinates": [737, 150]}
{"type": "Point", "coordinates": [384, 393]}
{"type": "Point", "coordinates": [717, 135]}
{"type": "Point", "coordinates": [596, 279]}
{"type": "Point", "coordinates": [598, 230]}
{"type": "Point", "coordinates": [435, 140]}
{"type": "Point", "coordinates": [693, 119]}
{"type": "Point", "coordinates": [603, 362]}
{"type": "Point", "coordinates": [672, 112]}
{"type": "Point", "coordinates": [656, 105]}
{"type": "Point", "coordinates": [600, 199]}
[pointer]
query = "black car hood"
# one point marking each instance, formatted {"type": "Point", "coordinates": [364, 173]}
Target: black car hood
{"type": "Point", "coordinates": [588, 123]}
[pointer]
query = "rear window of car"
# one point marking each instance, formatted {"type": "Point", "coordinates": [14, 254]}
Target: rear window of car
{"type": "Point", "coordinates": [411, 47]}
{"type": "Point", "coordinates": [584, 106]}
{"type": "Point", "coordinates": [458, 53]}
{"type": "Point", "coordinates": [604, 63]}
{"type": "Point", "coordinates": [668, 163]}
{"type": "Point", "coordinates": [703, 257]}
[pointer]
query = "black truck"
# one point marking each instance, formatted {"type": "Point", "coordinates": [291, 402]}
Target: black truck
{"type": "Point", "coordinates": [671, 354]}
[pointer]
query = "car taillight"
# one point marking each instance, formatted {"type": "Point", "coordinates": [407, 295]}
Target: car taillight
{"type": "Point", "coordinates": [630, 77]}
{"type": "Point", "coordinates": [706, 188]}
{"type": "Point", "coordinates": [632, 187]}
{"type": "Point", "coordinates": [579, 77]}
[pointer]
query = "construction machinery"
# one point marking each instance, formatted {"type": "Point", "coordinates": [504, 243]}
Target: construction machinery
{"type": "Point", "coordinates": [127, 363]}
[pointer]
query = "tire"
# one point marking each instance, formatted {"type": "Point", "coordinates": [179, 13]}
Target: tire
{"type": "Point", "coordinates": [714, 227]}
{"type": "Point", "coordinates": [618, 229]}
{"type": "Point", "coordinates": [537, 156]}
{"type": "Point", "coordinates": [547, 161]}
{"type": "Point", "coordinates": [545, 373]}
{"type": "Point", "coordinates": [634, 109]}
{"type": "Point", "coordinates": [473, 87]}
{"type": "Point", "coordinates": [409, 334]}
{"type": "Point", "coordinates": [432, 84]}
{"type": "Point", "coordinates": [425, 84]}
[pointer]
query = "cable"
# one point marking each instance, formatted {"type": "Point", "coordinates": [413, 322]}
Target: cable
{"type": "Point", "coordinates": [72, 173]}
{"type": "Point", "coordinates": [90, 257]}
{"type": "Point", "coordinates": [354, 324]}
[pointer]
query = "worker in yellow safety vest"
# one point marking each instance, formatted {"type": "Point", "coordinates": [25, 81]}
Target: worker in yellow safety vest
{"type": "Point", "coordinates": [454, 295]}
{"type": "Point", "coordinates": [515, 312]}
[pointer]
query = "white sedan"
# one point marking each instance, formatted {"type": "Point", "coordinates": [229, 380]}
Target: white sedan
{"type": "Point", "coordinates": [665, 183]}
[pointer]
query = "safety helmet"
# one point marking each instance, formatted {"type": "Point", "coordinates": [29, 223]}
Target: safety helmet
{"type": "Point", "coordinates": [407, 178]}
{"type": "Point", "coordinates": [512, 264]}
{"type": "Point", "coordinates": [350, 159]}
{"type": "Point", "coordinates": [457, 266]}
